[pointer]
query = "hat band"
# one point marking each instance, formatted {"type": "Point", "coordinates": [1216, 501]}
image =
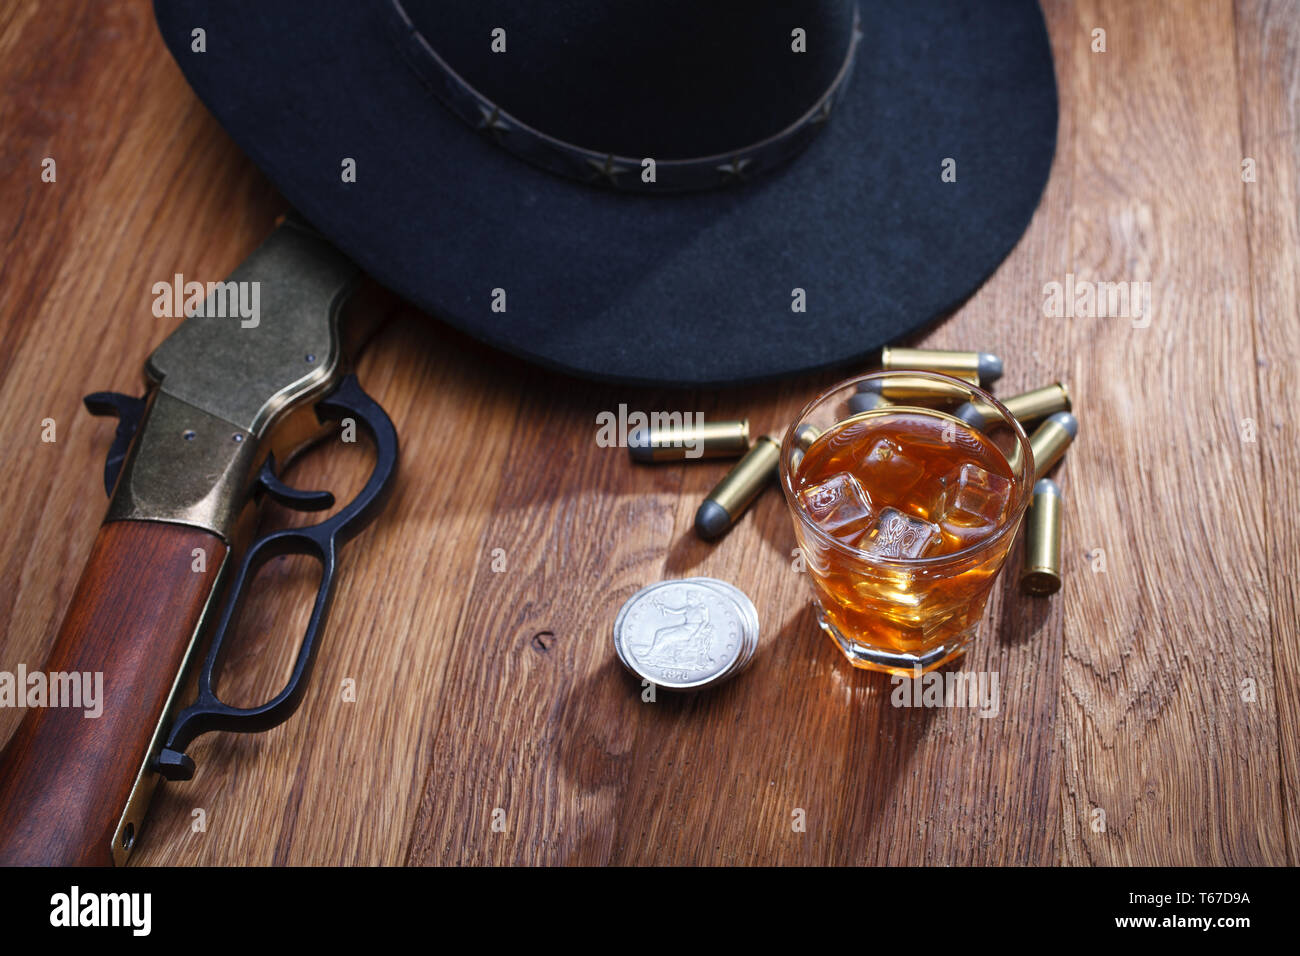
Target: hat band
{"type": "Point", "coordinates": [624, 173]}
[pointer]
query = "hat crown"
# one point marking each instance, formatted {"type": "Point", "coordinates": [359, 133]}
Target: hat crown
{"type": "Point", "coordinates": [670, 79]}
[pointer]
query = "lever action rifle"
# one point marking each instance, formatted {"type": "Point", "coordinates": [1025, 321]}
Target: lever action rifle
{"type": "Point", "coordinates": [228, 407]}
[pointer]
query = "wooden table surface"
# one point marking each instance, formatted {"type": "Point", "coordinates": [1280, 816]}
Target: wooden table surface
{"type": "Point", "coordinates": [1127, 732]}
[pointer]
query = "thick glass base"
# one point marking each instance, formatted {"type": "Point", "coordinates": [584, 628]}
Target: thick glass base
{"type": "Point", "coordinates": [896, 662]}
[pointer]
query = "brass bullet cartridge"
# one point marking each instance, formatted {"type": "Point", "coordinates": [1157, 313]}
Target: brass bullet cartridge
{"type": "Point", "coordinates": [733, 494]}
{"type": "Point", "coordinates": [865, 401]}
{"type": "Point", "coordinates": [975, 367]}
{"type": "Point", "coordinates": [1050, 440]}
{"type": "Point", "coordinates": [915, 388]}
{"type": "Point", "coordinates": [1025, 407]}
{"type": "Point", "coordinates": [724, 439]}
{"type": "Point", "coordinates": [1048, 443]}
{"type": "Point", "coordinates": [804, 436]}
{"type": "Point", "coordinates": [1041, 573]}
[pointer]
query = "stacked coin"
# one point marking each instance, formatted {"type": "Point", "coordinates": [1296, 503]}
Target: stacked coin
{"type": "Point", "coordinates": [686, 634]}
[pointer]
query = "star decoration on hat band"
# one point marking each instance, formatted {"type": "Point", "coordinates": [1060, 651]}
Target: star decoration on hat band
{"type": "Point", "coordinates": [606, 170]}
{"type": "Point", "coordinates": [600, 167]}
{"type": "Point", "coordinates": [491, 122]}
{"type": "Point", "coordinates": [734, 171]}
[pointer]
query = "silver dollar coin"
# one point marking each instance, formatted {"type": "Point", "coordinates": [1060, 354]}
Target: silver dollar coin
{"type": "Point", "coordinates": [751, 627]}
{"type": "Point", "coordinates": [681, 635]}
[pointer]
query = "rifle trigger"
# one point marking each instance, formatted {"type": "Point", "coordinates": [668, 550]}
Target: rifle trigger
{"type": "Point", "coordinates": [128, 410]}
{"type": "Point", "coordinates": [290, 497]}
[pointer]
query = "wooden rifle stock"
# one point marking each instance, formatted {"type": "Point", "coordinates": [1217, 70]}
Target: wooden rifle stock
{"type": "Point", "coordinates": [65, 777]}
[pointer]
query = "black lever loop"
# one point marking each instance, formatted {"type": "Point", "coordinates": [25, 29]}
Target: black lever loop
{"type": "Point", "coordinates": [321, 541]}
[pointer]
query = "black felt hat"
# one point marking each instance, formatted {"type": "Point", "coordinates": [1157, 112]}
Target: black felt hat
{"type": "Point", "coordinates": [682, 191]}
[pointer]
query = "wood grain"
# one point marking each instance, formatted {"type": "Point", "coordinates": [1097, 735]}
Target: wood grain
{"type": "Point", "coordinates": [485, 679]}
{"type": "Point", "coordinates": [1156, 734]}
{"type": "Point", "coordinates": [67, 771]}
{"type": "Point", "coordinates": [1268, 53]}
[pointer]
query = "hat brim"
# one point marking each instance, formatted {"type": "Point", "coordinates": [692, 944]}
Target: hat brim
{"type": "Point", "coordinates": [694, 289]}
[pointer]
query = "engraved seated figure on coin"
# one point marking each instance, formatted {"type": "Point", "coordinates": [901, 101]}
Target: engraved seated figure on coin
{"type": "Point", "coordinates": [693, 633]}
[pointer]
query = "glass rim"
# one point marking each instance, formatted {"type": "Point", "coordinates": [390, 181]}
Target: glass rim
{"type": "Point", "coordinates": [1025, 485]}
